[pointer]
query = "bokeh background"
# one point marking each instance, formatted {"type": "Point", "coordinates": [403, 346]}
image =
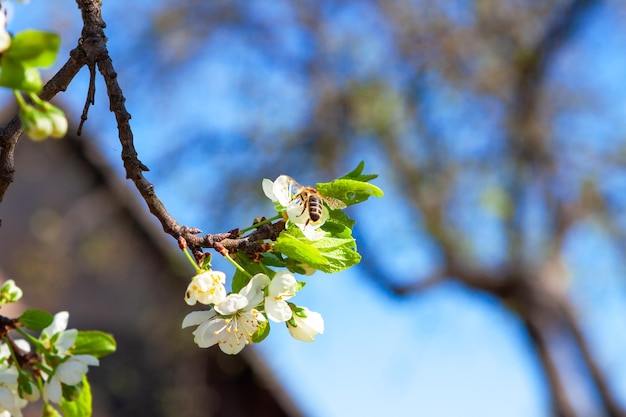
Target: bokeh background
{"type": "Point", "coordinates": [492, 280]}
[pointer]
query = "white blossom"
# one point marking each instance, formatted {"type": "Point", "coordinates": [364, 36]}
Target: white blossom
{"type": "Point", "coordinates": [9, 291]}
{"type": "Point", "coordinates": [308, 324]}
{"type": "Point", "coordinates": [70, 372]}
{"type": "Point", "coordinates": [206, 288]}
{"type": "Point", "coordinates": [233, 321]}
{"type": "Point", "coordinates": [56, 338]}
{"type": "Point", "coordinates": [282, 191]}
{"type": "Point", "coordinates": [282, 287]}
{"type": "Point", "coordinates": [11, 403]}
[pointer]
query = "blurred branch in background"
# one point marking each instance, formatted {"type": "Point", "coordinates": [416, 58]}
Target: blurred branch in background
{"type": "Point", "coordinates": [458, 102]}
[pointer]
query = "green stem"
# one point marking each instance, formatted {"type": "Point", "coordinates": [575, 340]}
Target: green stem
{"type": "Point", "coordinates": [259, 224]}
{"type": "Point", "coordinates": [19, 98]}
{"type": "Point", "coordinates": [239, 267]}
{"type": "Point", "coordinates": [31, 339]}
{"type": "Point", "coordinates": [35, 98]}
{"type": "Point", "coordinates": [191, 260]}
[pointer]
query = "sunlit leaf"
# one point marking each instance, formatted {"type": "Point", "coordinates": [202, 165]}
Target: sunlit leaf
{"type": "Point", "coordinates": [81, 407]}
{"type": "Point", "coordinates": [94, 342]}
{"type": "Point", "coordinates": [35, 319]}
{"type": "Point", "coordinates": [34, 48]}
{"type": "Point", "coordinates": [19, 77]}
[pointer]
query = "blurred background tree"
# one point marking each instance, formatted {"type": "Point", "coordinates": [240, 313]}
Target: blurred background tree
{"type": "Point", "coordinates": [496, 126]}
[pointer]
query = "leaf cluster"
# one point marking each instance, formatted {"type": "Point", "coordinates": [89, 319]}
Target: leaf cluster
{"type": "Point", "coordinates": [30, 50]}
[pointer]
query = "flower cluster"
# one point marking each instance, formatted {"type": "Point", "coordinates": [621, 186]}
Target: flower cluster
{"type": "Point", "coordinates": [238, 319]}
{"type": "Point", "coordinates": [311, 233]}
{"type": "Point", "coordinates": [52, 367]}
{"type": "Point", "coordinates": [21, 56]}
{"type": "Point", "coordinates": [11, 403]}
{"type": "Point", "coordinates": [41, 119]}
{"type": "Point", "coordinates": [68, 369]}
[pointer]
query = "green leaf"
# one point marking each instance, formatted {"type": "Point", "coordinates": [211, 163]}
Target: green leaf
{"type": "Point", "coordinates": [293, 244]}
{"type": "Point", "coordinates": [94, 342]}
{"type": "Point", "coordinates": [81, 407]}
{"type": "Point", "coordinates": [340, 253]}
{"type": "Point", "coordinates": [34, 48]}
{"type": "Point", "coordinates": [349, 191]}
{"type": "Point", "coordinates": [338, 222]}
{"type": "Point", "coordinates": [16, 75]}
{"type": "Point", "coordinates": [262, 331]}
{"type": "Point", "coordinates": [355, 174]}
{"type": "Point", "coordinates": [330, 254]}
{"type": "Point", "coordinates": [273, 259]}
{"type": "Point", "coordinates": [34, 319]}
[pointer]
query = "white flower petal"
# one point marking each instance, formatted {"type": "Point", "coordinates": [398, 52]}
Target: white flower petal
{"type": "Point", "coordinates": [7, 398]}
{"type": "Point", "coordinates": [8, 377]}
{"type": "Point", "coordinates": [58, 324]}
{"type": "Point", "coordinates": [207, 334]}
{"type": "Point", "coordinates": [253, 291]}
{"type": "Point", "coordinates": [233, 344]}
{"type": "Point", "coordinates": [66, 340]}
{"type": "Point", "coordinates": [231, 304]}
{"type": "Point", "coordinates": [196, 317]}
{"type": "Point", "coordinates": [71, 372]}
{"type": "Point", "coordinates": [312, 233]}
{"type": "Point", "coordinates": [206, 288]}
{"type": "Point", "coordinates": [307, 327]}
{"type": "Point", "coordinates": [282, 190]}
{"type": "Point", "coordinates": [87, 359]}
{"type": "Point", "coordinates": [23, 344]}
{"type": "Point", "coordinates": [283, 285]}
{"type": "Point", "coordinates": [278, 311]}
{"type": "Point", "coordinates": [268, 189]}
{"type": "Point", "coordinates": [52, 390]}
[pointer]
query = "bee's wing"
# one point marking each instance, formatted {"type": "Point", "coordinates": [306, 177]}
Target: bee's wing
{"type": "Point", "coordinates": [334, 203]}
{"type": "Point", "coordinates": [294, 187]}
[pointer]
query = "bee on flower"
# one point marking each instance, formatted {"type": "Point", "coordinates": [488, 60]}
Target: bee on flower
{"type": "Point", "coordinates": [305, 206]}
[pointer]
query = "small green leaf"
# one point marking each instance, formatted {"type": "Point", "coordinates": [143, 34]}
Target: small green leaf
{"type": "Point", "coordinates": [205, 263]}
{"type": "Point", "coordinates": [81, 407]}
{"type": "Point", "coordinates": [349, 191]}
{"type": "Point", "coordinates": [240, 279]}
{"type": "Point", "coordinates": [94, 342]}
{"type": "Point", "coordinates": [273, 259]}
{"type": "Point", "coordinates": [262, 331]}
{"type": "Point", "coordinates": [14, 74]}
{"type": "Point", "coordinates": [34, 48]}
{"type": "Point", "coordinates": [34, 319]}
{"type": "Point", "coordinates": [355, 174]}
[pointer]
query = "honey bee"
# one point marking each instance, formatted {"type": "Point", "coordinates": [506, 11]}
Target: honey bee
{"type": "Point", "coordinates": [312, 200]}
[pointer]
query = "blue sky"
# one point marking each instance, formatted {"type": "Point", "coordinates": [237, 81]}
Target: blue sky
{"type": "Point", "coordinates": [447, 352]}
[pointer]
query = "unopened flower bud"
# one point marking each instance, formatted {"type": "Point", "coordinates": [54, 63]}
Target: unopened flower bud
{"type": "Point", "coordinates": [59, 124]}
{"type": "Point", "coordinates": [57, 117]}
{"type": "Point", "coordinates": [10, 292]}
{"type": "Point", "coordinates": [37, 124]}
